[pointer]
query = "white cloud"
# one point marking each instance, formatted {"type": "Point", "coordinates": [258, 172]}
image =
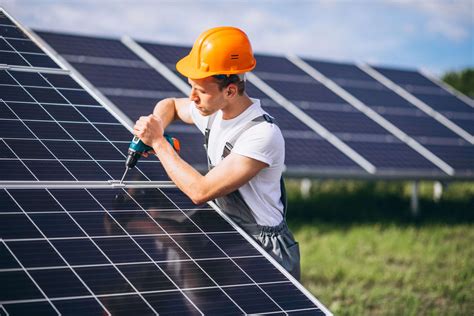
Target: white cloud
{"type": "Point", "coordinates": [336, 30]}
{"type": "Point", "coordinates": [452, 19]}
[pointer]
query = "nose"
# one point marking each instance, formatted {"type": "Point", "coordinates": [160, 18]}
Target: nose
{"type": "Point", "coordinates": [193, 95]}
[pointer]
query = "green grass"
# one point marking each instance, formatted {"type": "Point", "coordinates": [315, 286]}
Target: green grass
{"type": "Point", "coordinates": [372, 269]}
{"type": "Point", "coordinates": [363, 252]}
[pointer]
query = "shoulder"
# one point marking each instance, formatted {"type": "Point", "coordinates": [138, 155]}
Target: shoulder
{"type": "Point", "coordinates": [263, 142]}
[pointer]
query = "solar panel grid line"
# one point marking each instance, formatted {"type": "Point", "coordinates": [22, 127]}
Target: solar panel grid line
{"type": "Point", "coordinates": [38, 139]}
{"type": "Point", "coordinates": [417, 102]}
{"type": "Point", "coordinates": [75, 266]}
{"type": "Point", "coordinates": [102, 252]}
{"type": "Point", "coordinates": [140, 247]}
{"type": "Point", "coordinates": [31, 278]}
{"type": "Point", "coordinates": [156, 64]}
{"type": "Point", "coordinates": [218, 248]}
{"type": "Point", "coordinates": [320, 130]}
{"type": "Point", "coordinates": [372, 114]}
{"type": "Point", "coordinates": [447, 87]}
{"type": "Point", "coordinates": [88, 86]}
{"type": "Point", "coordinates": [57, 251]}
{"type": "Point", "coordinates": [26, 31]}
{"type": "Point", "coordinates": [17, 157]}
{"type": "Point", "coordinates": [271, 259]}
{"type": "Point", "coordinates": [64, 129]}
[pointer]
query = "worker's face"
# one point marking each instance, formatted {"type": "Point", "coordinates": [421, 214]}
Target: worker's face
{"type": "Point", "coordinates": [206, 95]}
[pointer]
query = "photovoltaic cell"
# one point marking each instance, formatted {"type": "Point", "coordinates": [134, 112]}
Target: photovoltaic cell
{"type": "Point", "coordinates": [17, 49]}
{"type": "Point", "coordinates": [440, 140]}
{"type": "Point", "coordinates": [51, 137]}
{"type": "Point", "coordinates": [189, 256]}
{"type": "Point", "coordinates": [333, 113]}
{"type": "Point", "coordinates": [132, 85]}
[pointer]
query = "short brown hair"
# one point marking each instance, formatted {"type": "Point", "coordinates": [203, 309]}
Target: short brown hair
{"type": "Point", "coordinates": [225, 80]}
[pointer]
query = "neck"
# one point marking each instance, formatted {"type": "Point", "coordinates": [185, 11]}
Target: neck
{"type": "Point", "coordinates": [236, 107]}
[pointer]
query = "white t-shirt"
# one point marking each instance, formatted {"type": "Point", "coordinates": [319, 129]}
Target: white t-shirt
{"type": "Point", "coordinates": [263, 142]}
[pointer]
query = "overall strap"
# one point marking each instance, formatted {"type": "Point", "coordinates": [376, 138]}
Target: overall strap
{"type": "Point", "coordinates": [259, 119]}
{"type": "Point", "coordinates": [207, 132]}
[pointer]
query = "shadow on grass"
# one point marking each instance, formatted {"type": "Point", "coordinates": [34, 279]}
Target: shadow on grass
{"type": "Point", "coordinates": [365, 206]}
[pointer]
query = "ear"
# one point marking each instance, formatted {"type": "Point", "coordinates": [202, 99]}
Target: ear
{"type": "Point", "coordinates": [231, 90]}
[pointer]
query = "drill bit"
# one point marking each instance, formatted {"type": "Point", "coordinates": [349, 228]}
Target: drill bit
{"type": "Point", "coordinates": [124, 174]}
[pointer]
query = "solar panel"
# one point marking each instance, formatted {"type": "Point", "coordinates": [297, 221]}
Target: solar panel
{"type": "Point", "coordinates": [433, 135]}
{"type": "Point", "coordinates": [49, 135]}
{"type": "Point", "coordinates": [458, 109]}
{"type": "Point", "coordinates": [17, 49]}
{"type": "Point", "coordinates": [96, 248]}
{"type": "Point", "coordinates": [388, 154]}
{"type": "Point", "coordinates": [127, 81]}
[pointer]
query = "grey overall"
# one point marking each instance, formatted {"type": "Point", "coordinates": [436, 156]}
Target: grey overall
{"type": "Point", "coordinates": [278, 241]}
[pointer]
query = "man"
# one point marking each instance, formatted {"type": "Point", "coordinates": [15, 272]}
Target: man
{"type": "Point", "coordinates": [245, 148]}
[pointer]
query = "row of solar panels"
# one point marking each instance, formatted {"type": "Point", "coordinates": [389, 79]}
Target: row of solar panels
{"type": "Point", "coordinates": [339, 120]}
{"type": "Point", "coordinates": [76, 247]}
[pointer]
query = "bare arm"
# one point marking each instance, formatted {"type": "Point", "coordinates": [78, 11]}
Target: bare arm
{"type": "Point", "coordinates": [173, 108]}
{"type": "Point", "coordinates": [229, 175]}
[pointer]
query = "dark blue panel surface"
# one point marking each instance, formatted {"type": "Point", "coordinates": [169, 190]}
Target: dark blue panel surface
{"type": "Point", "coordinates": [84, 306]}
{"type": "Point", "coordinates": [76, 200]}
{"type": "Point", "coordinates": [57, 225]}
{"type": "Point", "coordinates": [260, 270]}
{"type": "Point", "coordinates": [147, 277]}
{"type": "Point", "coordinates": [234, 245]}
{"type": "Point", "coordinates": [340, 70]}
{"type": "Point", "coordinates": [460, 158]}
{"type": "Point", "coordinates": [121, 250]}
{"type": "Point", "coordinates": [104, 280]}
{"type": "Point", "coordinates": [168, 54]}
{"type": "Point", "coordinates": [106, 76]}
{"type": "Point", "coordinates": [38, 308]}
{"type": "Point", "coordinates": [445, 103]}
{"type": "Point", "coordinates": [35, 200]}
{"type": "Point", "coordinates": [64, 283]}
{"type": "Point", "coordinates": [297, 91]}
{"type": "Point", "coordinates": [13, 226]}
{"type": "Point", "coordinates": [17, 285]}
{"type": "Point", "coordinates": [405, 77]}
{"type": "Point", "coordinates": [382, 156]}
{"type": "Point", "coordinates": [88, 46]}
{"type": "Point", "coordinates": [252, 299]}
{"type": "Point", "coordinates": [287, 296]}
{"type": "Point", "coordinates": [276, 64]}
{"type": "Point", "coordinates": [7, 261]}
{"type": "Point", "coordinates": [380, 98]}
{"type": "Point", "coordinates": [213, 302]}
{"type": "Point", "coordinates": [224, 272]}
{"type": "Point", "coordinates": [171, 303]}
{"type": "Point", "coordinates": [420, 125]}
{"type": "Point", "coordinates": [126, 305]}
{"type": "Point", "coordinates": [36, 253]}
{"type": "Point", "coordinates": [80, 251]}
{"type": "Point", "coordinates": [315, 152]}
{"type": "Point", "coordinates": [15, 170]}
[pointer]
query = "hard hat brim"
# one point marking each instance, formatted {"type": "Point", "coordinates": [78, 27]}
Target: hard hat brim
{"type": "Point", "coordinates": [186, 68]}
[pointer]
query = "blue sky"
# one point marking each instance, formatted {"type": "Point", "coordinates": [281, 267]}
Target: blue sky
{"type": "Point", "coordinates": [432, 35]}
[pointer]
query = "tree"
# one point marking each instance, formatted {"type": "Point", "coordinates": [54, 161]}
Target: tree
{"type": "Point", "coordinates": [462, 81]}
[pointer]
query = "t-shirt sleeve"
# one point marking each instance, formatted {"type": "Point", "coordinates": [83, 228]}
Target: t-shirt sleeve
{"type": "Point", "coordinates": [263, 142]}
{"type": "Point", "coordinates": [199, 120]}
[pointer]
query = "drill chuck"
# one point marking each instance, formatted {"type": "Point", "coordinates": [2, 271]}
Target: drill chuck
{"type": "Point", "coordinates": [137, 148]}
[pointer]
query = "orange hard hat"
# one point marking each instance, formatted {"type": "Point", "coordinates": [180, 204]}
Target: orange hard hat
{"type": "Point", "coordinates": [222, 50]}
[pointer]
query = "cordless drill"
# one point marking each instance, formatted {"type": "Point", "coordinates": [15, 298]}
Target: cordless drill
{"type": "Point", "coordinates": [137, 148]}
